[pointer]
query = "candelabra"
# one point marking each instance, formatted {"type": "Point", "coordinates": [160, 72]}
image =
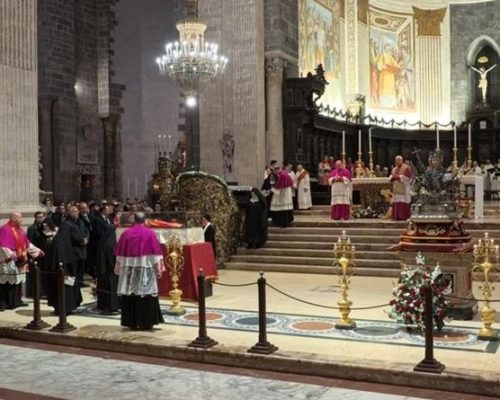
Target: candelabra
{"type": "Point", "coordinates": [486, 256]}
{"type": "Point", "coordinates": [344, 253]}
{"type": "Point", "coordinates": [175, 264]}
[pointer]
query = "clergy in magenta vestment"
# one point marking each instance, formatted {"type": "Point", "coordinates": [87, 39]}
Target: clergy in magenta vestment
{"type": "Point", "coordinates": [401, 199]}
{"type": "Point", "coordinates": [139, 264]}
{"type": "Point", "coordinates": [14, 250]}
{"type": "Point", "coordinates": [304, 200]}
{"type": "Point", "coordinates": [340, 180]}
{"type": "Point", "coordinates": [282, 201]}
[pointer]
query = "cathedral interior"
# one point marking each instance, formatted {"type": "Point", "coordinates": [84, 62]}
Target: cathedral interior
{"type": "Point", "coordinates": [96, 107]}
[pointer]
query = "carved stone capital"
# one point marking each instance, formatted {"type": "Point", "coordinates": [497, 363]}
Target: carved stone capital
{"type": "Point", "coordinates": [429, 21]}
{"type": "Point", "coordinates": [363, 11]}
{"type": "Point", "coordinates": [275, 66]}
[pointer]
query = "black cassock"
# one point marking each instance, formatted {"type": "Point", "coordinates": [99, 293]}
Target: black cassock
{"type": "Point", "coordinates": [107, 280]}
{"type": "Point", "coordinates": [43, 241]}
{"type": "Point", "coordinates": [63, 250]}
{"type": "Point", "coordinates": [256, 222]}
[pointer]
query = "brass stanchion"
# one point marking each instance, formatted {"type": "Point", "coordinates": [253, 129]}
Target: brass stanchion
{"type": "Point", "coordinates": [175, 263]}
{"type": "Point", "coordinates": [486, 256]}
{"type": "Point", "coordinates": [203, 341]}
{"type": "Point", "coordinates": [429, 363]}
{"type": "Point", "coordinates": [344, 253]}
{"type": "Point", "coordinates": [63, 326]}
{"type": "Point", "coordinates": [37, 324]}
{"type": "Point", "coordinates": [262, 346]}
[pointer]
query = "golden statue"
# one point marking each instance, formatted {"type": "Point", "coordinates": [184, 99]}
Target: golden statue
{"type": "Point", "coordinates": [483, 80]}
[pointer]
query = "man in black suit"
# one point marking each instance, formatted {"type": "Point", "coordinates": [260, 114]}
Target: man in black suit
{"type": "Point", "coordinates": [107, 281]}
{"type": "Point", "coordinates": [80, 251]}
{"type": "Point", "coordinates": [88, 221]}
{"type": "Point", "coordinates": [209, 232]}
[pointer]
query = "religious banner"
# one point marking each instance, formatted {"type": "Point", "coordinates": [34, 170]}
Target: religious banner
{"type": "Point", "coordinates": [319, 39]}
{"type": "Point", "coordinates": [392, 61]}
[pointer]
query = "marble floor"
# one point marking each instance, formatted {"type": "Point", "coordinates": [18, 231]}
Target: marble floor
{"type": "Point", "coordinates": [31, 372]}
{"type": "Point", "coordinates": [366, 291]}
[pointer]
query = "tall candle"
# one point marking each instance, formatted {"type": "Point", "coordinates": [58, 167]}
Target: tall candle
{"type": "Point", "coordinates": [359, 141]}
{"type": "Point", "coordinates": [146, 183]}
{"type": "Point", "coordinates": [159, 143]}
{"type": "Point", "coordinates": [370, 140]}
{"type": "Point", "coordinates": [135, 182]}
{"type": "Point", "coordinates": [128, 187]}
{"type": "Point", "coordinates": [470, 136]}
{"type": "Point", "coordinates": [169, 138]}
{"type": "Point", "coordinates": [437, 138]}
{"type": "Point", "coordinates": [343, 142]}
{"type": "Point", "coordinates": [455, 137]}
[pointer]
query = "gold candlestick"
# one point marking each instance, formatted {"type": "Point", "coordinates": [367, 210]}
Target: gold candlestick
{"type": "Point", "coordinates": [370, 164]}
{"type": "Point", "coordinates": [455, 160]}
{"type": "Point", "coordinates": [469, 157]}
{"type": "Point", "coordinates": [486, 256]}
{"type": "Point", "coordinates": [344, 252]}
{"type": "Point", "coordinates": [343, 155]}
{"type": "Point", "coordinates": [175, 263]}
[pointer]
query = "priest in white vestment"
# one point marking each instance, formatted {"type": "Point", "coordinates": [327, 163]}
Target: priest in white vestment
{"type": "Point", "coordinates": [282, 202]}
{"type": "Point", "coordinates": [303, 189]}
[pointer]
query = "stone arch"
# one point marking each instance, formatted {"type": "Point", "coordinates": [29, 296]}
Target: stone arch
{"type": "Point", "coordinates": [477, 44]}
{"type": "Point", "coordinates": [475, 47]}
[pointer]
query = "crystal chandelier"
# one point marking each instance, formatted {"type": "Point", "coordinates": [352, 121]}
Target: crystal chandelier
{"type": "Point", "coordinates": [191, 61]}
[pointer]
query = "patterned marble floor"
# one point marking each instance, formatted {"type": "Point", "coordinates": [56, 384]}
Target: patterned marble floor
{"type": "Point", "coordinates": [70, 376]}
{"type": "Point", "coordinates": [374, 331]}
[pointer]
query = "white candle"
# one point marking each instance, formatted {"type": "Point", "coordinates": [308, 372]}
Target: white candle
{"type": "Point", "coordinates": [128, 187]}
{"type": "Point", "coordinates": [159, 143]}
{"type": "Point", "coordinates": [343, 142]}
{"type": "Point", "coordinates": [470, 136]}
{"type": "Point", "coordinates": [455, 137]}
{"type": "Point", "coordinates": [169, 138]}
{"type": "Point", "coordinates": [370, 140]}
{"type": "Point", "coordinates": [135, 182]}
{"type": "Point", "coordinates": [359, 141]}
{"type": "Point", "coordinates": [437, 138]}
{"type": "Point", "coordinates": [165, 144]}
{"type": "Point", "coordinates": [146, 183]}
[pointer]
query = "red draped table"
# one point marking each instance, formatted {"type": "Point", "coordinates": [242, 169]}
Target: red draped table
{"type": "Point", "coordinates": [196, 256]}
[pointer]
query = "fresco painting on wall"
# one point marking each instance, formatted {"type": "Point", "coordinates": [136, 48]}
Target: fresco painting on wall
{"type": "Point", "coordinates": [392, 66]}
{"type": "Point", "coordinates": [319, 38]}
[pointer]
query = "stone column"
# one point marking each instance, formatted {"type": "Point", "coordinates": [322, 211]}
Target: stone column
{"type": "Point", "coordinates": [112, 160]}
{"type": "Point", "coordinates": [18, 106]}
{"type": "Point", "coordinates": [274, 109]}
{"type": "Point", "coordinates": [46, 140]}
{"type": "Point", "coordinates": [429, 63]}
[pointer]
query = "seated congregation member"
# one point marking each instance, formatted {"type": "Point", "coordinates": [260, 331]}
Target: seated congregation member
{"type": "Point", "coordinates": [282, 202]}
{"type": "Point", "coordinates": [340, 180]}
{"type": "Point", "coordinates": [139, 265]}
{"type": "Point", "coordinates": [209, 232]}
{"type": "Point", "coordinates": [256, 220]}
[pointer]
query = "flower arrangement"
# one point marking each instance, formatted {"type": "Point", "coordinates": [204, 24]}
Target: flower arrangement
{"type": "Point", "coordinates": [407, 306]}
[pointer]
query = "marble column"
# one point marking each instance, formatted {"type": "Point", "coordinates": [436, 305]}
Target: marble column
{"type": "Point", "coordinates": [112, 160]}
{"type": "Point", "coordinates": [274, 109]}
{"type": "Point", "coordinates": [19, 173]}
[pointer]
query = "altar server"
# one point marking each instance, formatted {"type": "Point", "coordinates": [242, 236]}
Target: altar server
{"type": "Point", "coordinates": [282, 202]}
{"type": "Point", "coordinates": [303, 189]}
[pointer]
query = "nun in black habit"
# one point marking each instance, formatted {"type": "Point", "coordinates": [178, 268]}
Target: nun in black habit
{"type": "Point", "coordinates": [256, 220]}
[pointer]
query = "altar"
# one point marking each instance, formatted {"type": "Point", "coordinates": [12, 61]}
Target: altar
{"type": "Point", "coordinates": [370, 191]}
{"type": "Point", "coordinates": [198, 255]}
